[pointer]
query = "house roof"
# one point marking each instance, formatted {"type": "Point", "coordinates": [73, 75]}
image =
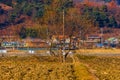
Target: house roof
{"type": "Point", "coordinates": [33, 40]}
{"type": "Point", "coordinates": [60, 36]}
{"type": "Point", "coordinates": [94, 36]}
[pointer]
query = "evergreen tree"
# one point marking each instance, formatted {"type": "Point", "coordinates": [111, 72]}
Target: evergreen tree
{"type": "Point", "coordinates": [23, 33]}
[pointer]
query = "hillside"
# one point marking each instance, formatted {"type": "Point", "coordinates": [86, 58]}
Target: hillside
{"type": "Point", "coordinates": [106, 1]}
{"type": "Point", "coordinates": [36, 17]}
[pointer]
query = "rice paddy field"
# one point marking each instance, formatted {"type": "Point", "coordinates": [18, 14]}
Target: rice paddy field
{"type": "Point", "coordinates": [85, 67]}
{"type": "Point", "coordinates": [103, 67]}
{"type": "Point", "coordinates": [41, 68]}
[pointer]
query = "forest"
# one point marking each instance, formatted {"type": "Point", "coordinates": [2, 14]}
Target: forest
{"type": "Point", "coordinates": [47, 16]}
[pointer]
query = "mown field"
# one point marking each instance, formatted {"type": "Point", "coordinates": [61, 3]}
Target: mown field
{"type": "Point", "coordinates": [105, 68]}
{"type": "Point", "coordinates": [41, 68]}
{"type": "Point", "coordinates": [51, 68]}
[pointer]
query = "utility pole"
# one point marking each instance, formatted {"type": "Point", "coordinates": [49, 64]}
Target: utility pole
{"type": "Point", "coordinates": [101, 29]}
{"type": "Point", "coordinates": [63, 23]}
{"type": "Point", "coordinates": [0, 37]}
{"type": "Point", "coordinates": [63, 53]}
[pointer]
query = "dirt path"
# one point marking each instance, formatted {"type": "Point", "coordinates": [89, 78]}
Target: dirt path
{"type": "Point", "coordinates": [83, 71]}
{"type": "Point", "coordinates": [91, 71]}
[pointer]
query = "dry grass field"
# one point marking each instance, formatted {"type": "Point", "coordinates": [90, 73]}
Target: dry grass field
{"type": "Point", "coordinates": [100, 51]}
{"type": "Point", "coordinates": [85, 67]}
{"type": "Point", "coordinates": [105, 68]}
{"type": "Point", "coordinates": [41, 68]}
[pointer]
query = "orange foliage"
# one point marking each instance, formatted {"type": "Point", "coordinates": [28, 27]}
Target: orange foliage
{"type": "Point", "coordinates": [112, 4]}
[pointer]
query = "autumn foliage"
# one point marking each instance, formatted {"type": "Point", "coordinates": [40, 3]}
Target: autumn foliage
{"type": "Point", "coordinates": [48, 14]}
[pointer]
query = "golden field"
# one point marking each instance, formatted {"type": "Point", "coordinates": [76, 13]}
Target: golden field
{"type": "Point", "coordinates": [85, 67]}
{"type": "Point", "coordinates": [41, 68]}
{"type": "Point", "coordinates": [100, 51]}
{"type": "Point", "coordinates": [104, 67]}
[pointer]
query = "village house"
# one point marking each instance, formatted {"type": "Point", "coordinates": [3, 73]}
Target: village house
{"type": "Point", "coordinates": [92, 40]}
{"type": "Point", "coordinates": [65, 41]}
{"type": "Point", "coordinates": [10, 41]}
{"type": "Point", "coordinates": [35, 43]}
{"type": "Point", "coordinates": [59, 37]}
